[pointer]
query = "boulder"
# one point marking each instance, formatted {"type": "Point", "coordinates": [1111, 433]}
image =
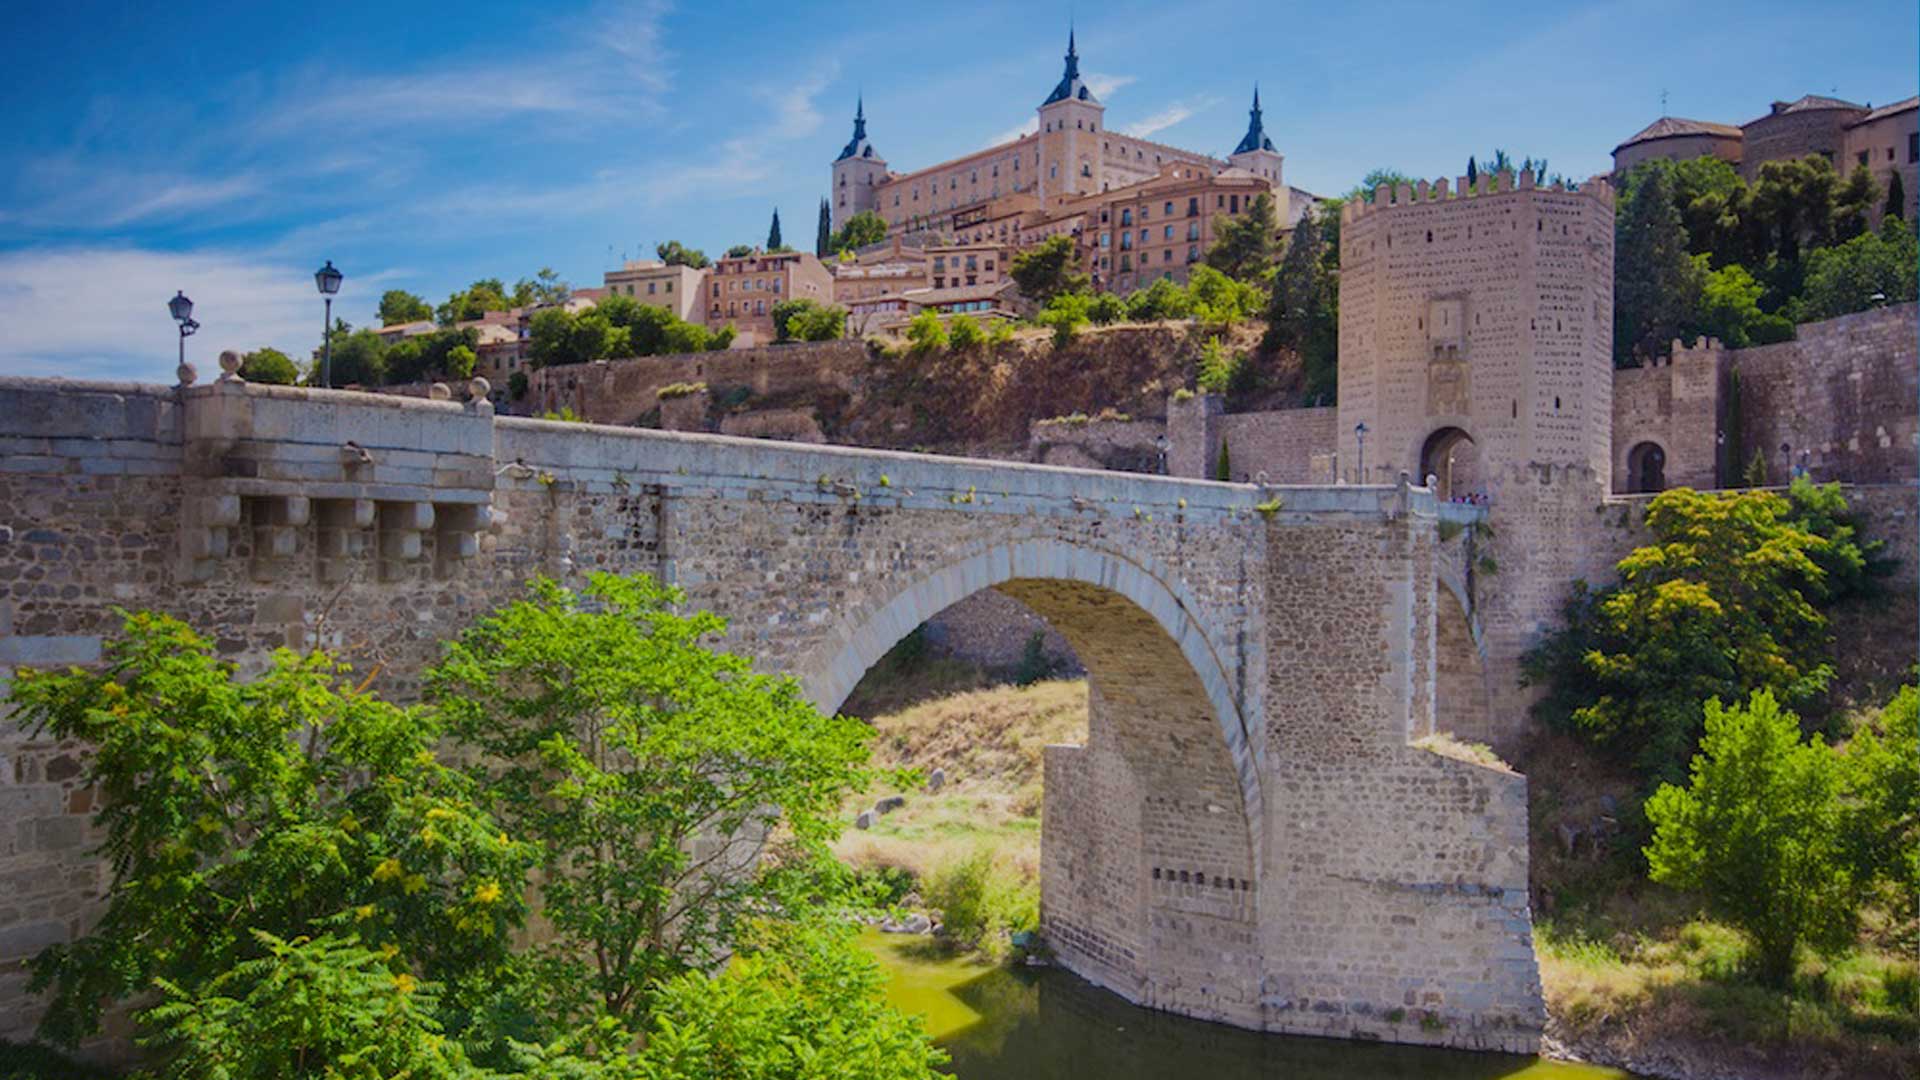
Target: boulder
{"type": "Point", "coordinates": [936, 780]}
{"type": "Point", "coordinates": [864, 821]}
{"type": "Point", "coordinates": [889, 804]}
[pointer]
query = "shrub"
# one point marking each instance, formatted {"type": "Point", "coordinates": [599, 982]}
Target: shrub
{"type": "Point", "coordinates": [270, 366]}
{"type": "Point", "coordinates": [926, 333]}
{"type": "Point", "coordinates": [979, 901]}
{"type": "Point", "coordinates": [1066, 313]}
{"type": "Point", "coordinates": [1034, 664]}
{"type": "Point", "coordinates": [965, 334]}
{"type": "Point", "coordinates": [1107, 308]}
{"type": "Point", "coordinates": [1758, 833]}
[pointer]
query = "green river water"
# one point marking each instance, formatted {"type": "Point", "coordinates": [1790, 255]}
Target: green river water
{"type": "Point", "coordinates": [1046, 1024]}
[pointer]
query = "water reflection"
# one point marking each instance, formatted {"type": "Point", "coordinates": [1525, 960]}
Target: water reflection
{"type": "Point", "coordinates": [1049, 1025]}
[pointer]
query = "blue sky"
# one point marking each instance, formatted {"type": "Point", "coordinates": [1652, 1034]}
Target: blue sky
{"type": "Point", "coordinates": [228, 148]}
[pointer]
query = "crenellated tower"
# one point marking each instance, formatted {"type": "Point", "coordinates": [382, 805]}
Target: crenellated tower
{"type": "Point", "coordinates": [1070, 124]}
{"type": "Point", "coordinates": [858, 171]}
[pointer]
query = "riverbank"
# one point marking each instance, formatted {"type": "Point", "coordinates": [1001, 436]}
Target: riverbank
{"type": "Point", "coordinates": [1632, 978]}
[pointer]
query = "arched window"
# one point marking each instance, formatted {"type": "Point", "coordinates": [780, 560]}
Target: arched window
{"type": "Point", "coordinates": [1450, 457]}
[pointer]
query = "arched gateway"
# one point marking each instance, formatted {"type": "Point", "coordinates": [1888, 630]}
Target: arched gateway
{"type": "Point", "coordinates": [1247, 834]}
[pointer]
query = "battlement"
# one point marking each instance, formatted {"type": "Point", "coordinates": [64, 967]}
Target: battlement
{"type": "Point", "coordinates": [1388, 197]}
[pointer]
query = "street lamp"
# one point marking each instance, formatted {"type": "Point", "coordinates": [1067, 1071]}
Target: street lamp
{"type": "Point", "coordinates": [328, 280]}
{"type": "Point", "coordinates": [1360, 436]}
{"type": "Point", "coordinates": [1160, 444]}
{"type": "Point", "coordinates": [181, 309]}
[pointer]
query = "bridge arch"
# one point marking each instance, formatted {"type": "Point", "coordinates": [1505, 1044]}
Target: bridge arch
{"type": "Point", "coordinates": [1109, 606]}
{"type": "Point", "coordinates": [1150, 848]}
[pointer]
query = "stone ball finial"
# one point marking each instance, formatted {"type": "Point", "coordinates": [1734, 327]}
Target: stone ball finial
{"type": "Point", "coordinates": [440, 392]}
{"type": "Point", "coordinates": [186, 373]}
{"type": "Point", "coordinates": [230, 361]}
{"type": "Point", "coordinates": [478, 388]}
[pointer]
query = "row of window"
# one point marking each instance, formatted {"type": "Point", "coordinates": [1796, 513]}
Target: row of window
{"type": "Point", "coordinates": [1913, 151]}
{"type": "Point", "coordinates": [756, 285]}
{"type": "Point", "coordinates": [750, 307]}
{"type": "Point", "coordinates": [1166, 234]}
{"type": "Point", "coordinates": [651, 286]}
{"type": "Point", "coordinates": [1146, 257]}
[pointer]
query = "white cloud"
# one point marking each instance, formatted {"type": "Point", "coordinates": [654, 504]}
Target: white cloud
{"type": "Point", "coordinates": [101, 313]}
{"type": "Point", "coordinates": [1032, 125]}
{"type": "Point", "coordinates": [1102, 84]}
{"type": "Point", "coordinates": [1174, 114]}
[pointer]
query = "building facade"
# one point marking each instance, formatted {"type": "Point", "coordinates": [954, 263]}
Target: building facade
{"type": "Point", "coordinates": [743, 291]}
{"type": "Point", "coordinates": [1058, 180]}
{"type": "Point", "coordinates": [676, 288]}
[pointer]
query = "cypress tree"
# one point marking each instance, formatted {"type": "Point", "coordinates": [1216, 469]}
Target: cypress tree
{"type": "Point", "coordinates": [1223, 466]}
{"type": "Point", "coordinates": [1473, 172]}
{"type": "Point", "coordinates": [773, 234]}
{"type": "Point", "coordinates": [1757, 470]}
{"type": "Point", "coordinates": [1896, 197]}
{"type": "Point", "coordinates": [1657, 286]}
{"type": "Point", "coordinates": [823, 236]}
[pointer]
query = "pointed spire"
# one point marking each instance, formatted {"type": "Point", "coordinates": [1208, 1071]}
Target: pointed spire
{"type": "Point", "coordinates": [1071, 86]}
{"type": "Point", "coordinates": [858, 146]}
{"type": "Point", "coordinates": [1256, 137]}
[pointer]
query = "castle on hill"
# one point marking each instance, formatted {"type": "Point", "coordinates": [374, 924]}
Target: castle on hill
{"type": "Point", "coordinates": [1138, 210]}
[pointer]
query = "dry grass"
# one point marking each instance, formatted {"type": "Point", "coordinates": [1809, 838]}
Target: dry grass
{"type": "Point", "coordinates": [989, 742]}
{"type": "Point", "coordinates": [1444, 744]}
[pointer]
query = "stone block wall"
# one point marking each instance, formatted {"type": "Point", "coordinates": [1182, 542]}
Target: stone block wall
{"type": "Point", "coordinates": [1841, 398]}
{"type": "Point", "coordinates": [1291, 446]}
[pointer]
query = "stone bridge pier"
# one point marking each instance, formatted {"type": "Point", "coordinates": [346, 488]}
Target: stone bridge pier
{"type": "Point", "coordinates": [1248, 834]}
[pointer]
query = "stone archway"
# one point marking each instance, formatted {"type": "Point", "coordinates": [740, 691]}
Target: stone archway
{"type": "Point", "coordinates": [1451, 458]}
{"type": "Point", "coordinates": [1647, 468]}
{"type": "Point", "coordinates": [1149, 875]}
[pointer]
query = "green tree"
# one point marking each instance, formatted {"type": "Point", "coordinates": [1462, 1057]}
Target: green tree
{"type": "Point", "coordinates": [270, 366]}
{"type": "Point", "coordinates": [1388, 178]}
{"type": "Point", "coordinates": [823, 233]}
{"type": "Point", "coordinates": [544, 287]}
{"type": "Point", "coordinates": [517, 385]}
{"type": "Point", "coordinates": [1245, 244]}
{"type": "Point", "coordinates": [400, 306]}
{"type": "Point", "coordinates": [1303, 312]}
{"type": "Point", "coordinates": [774, 243]}
{"type": "Point", "coordinates": [1047, 269]}
{"type": "Point", "coordinates": [673, 253]}
{"type": "Point", "coordinates": [1896, 204]}
{"type": "Point", "coordinates": [1869, 270]}
{"type": "Point", "coordinates": [1853, 204]}
{"type": "Point", "coordinates": [1716, 208]}
{"type": "Point", "coordinates": [1883, 787]}
{"type": "Point", "coordinates": [1727, 599]}
{"type": "Point", "coordinates": [1220, 370]}
{"type": "Point", "coordinates": [287, 805]}
{"type": "Point", "coordinates": [484, 295]}
{"type": "Point", "coordinates": [926, 333]}
{"type": "Point", "coordinates": [801, 1003]}
{"type": "Point", "coordinates": [740, 251]}
{"type": "Point", "coordinates": [965, 334]}
{"type": "Point", "coordinates": [1066, 313]}
{"type": "Point", "coordinates": [1161, 300]}
{"type": "Point", "coordinates": [359, 358]}
{"type": "Point", "coordinates": [808, 320]}
{"type": "Point", "coordinates": [1656, 284]}
{"type": "Point", "coordinates": [1107, 308]}
{"type": "Point", "coordinates": [1223, 465]}
{"type": "Point", "coordinates": [1759, 834]}
{"type": "Point", "coordinates": [558, 336]}
{"type": "Point", "coordinates": [674, 793]}
{"type": "Point", "coordinates": [308, 1007]}
{"type": "Point", "coordinates": [861, 230]}
{"type": "Point", "coordinates": [1729, 303]}
{"type": "Point", "coordinates": [460, 361]}
{"type": "Point", "coordinates": [1218, 300]}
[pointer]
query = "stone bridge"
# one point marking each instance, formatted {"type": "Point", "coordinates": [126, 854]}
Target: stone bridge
{"type": "Point", "coordinates": [1247, 836]}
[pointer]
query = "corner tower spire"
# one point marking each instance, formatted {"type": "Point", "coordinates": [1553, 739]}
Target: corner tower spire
{"type": "Point", "coordinates": [858, 146]}
{"type": "Point", "coordinates": [1071, 87]}
{"type": "Point", "coordinates": [1256, 137]}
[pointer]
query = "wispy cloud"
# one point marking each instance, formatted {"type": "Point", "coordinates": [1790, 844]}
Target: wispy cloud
{"type": "Point", "coordinates": [101, 312]}
{"type": "Point", "coordinates": [1032, 125]}
{"type": "Point", "coordinates": [1174, 114]}
{"type": "Point", "coordinates": [1104, 85]}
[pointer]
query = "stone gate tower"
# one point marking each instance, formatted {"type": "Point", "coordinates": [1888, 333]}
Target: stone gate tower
{"type": "Point", "coordinates": [1476, 330]}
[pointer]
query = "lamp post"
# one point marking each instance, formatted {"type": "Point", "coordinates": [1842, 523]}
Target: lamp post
{"type": "Point", "coordinates": [328, 280]}
{"type": "Point", "coordinates": [1360, 436]}
{"type": "Point", "coordinates": [1160, 444]}
{"type": "Point", "coordinates": [181, 309]}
